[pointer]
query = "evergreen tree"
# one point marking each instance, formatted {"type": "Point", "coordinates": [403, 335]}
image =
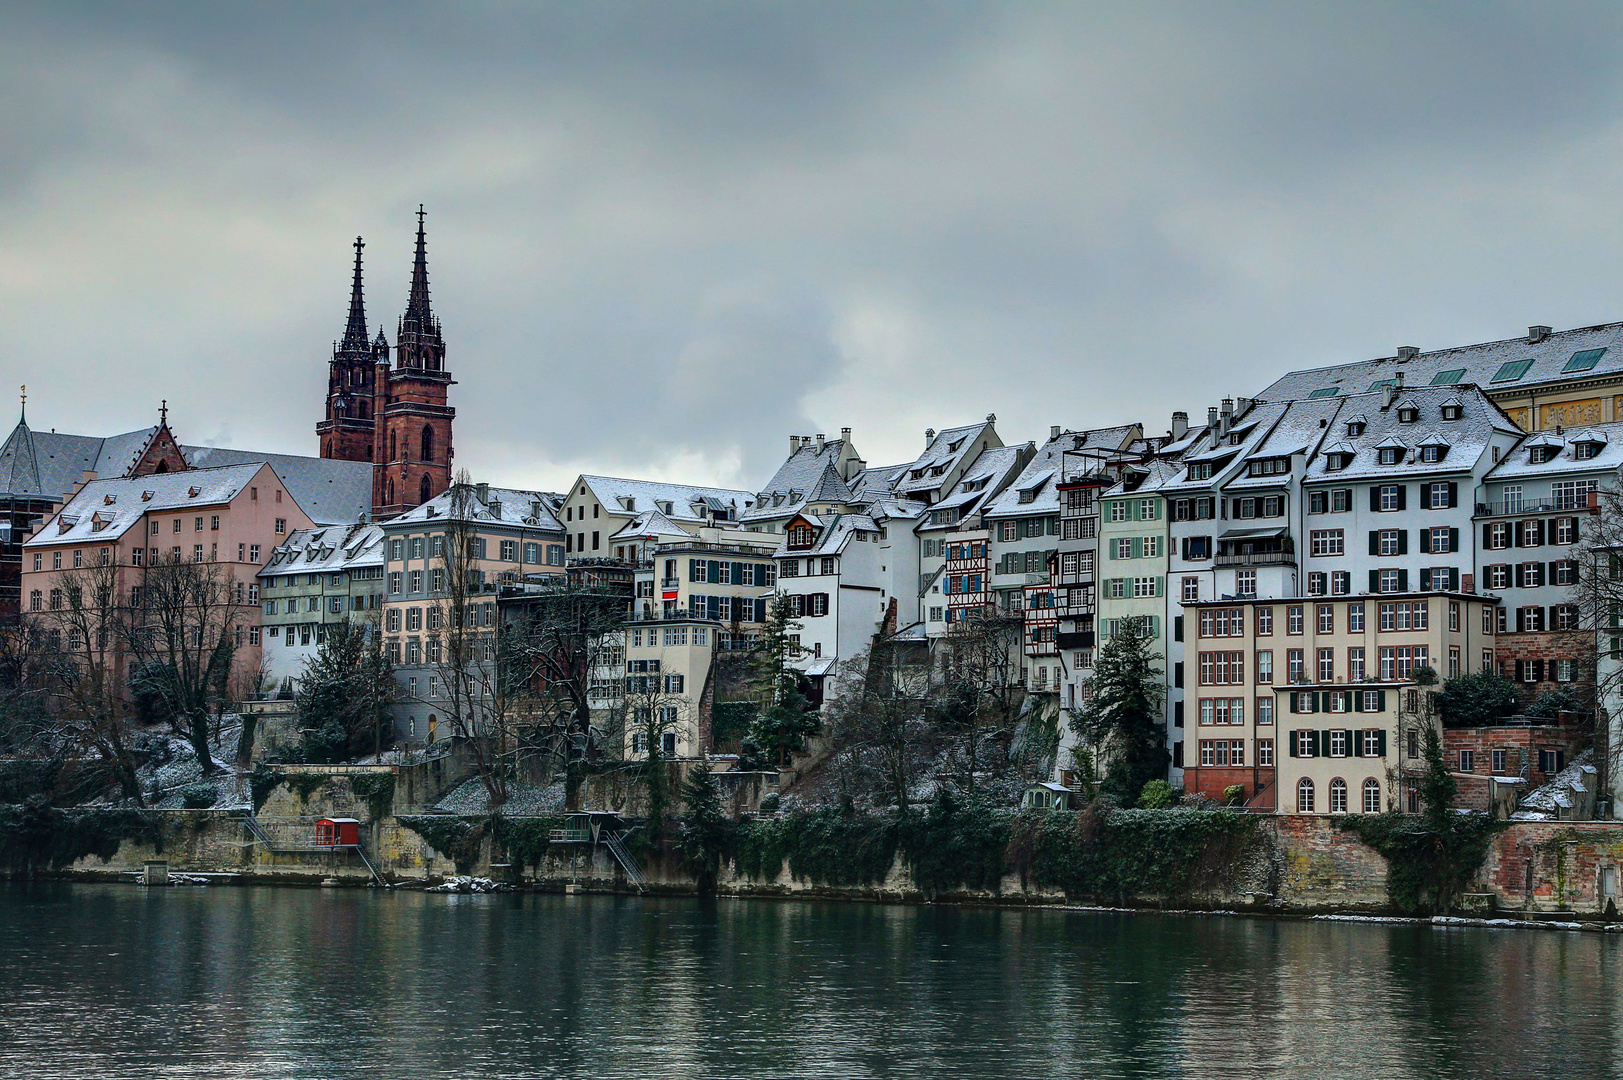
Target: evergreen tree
{"type": "Point", "coordinates": [1476, 699]}
{"type": "Point", "coordinates": [344, 695]}
{"type": "Point", "coordinates": [1123, 713]}
{"type": "Point", "coordinates": [787, 720]}
{"type": "Point", "coordinates": [703, 838]}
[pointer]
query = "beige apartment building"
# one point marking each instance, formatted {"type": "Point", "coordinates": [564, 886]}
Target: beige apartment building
{"type": "Point", "coordinates": [1310, 705]}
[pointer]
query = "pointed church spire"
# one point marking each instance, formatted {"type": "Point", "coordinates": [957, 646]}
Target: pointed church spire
{"type": "Point", "coordinates": [19, 459]}
{"type": "Point", "coordinates": [417, 304]}
{"type": "Point", "coordinates": [355, 340]}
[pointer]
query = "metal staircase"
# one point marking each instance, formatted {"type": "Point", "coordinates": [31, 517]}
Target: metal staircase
{"type": "Point", "coordinates": [255, 829]}
{"type": "Point", "coordinates": [616, 848]}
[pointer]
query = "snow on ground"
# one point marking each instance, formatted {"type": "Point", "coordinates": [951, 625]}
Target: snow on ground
{"type": "Point", "coordinates": [523, 800]}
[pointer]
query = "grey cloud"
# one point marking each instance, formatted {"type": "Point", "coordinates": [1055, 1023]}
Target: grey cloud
{"type": "Point", "coordinates": [664, 236]}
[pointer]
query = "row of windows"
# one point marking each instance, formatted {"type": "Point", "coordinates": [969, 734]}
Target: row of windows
{"type": "Point", "coordinates": [1218, 753]}
{"type": "Point", "coordinates": [1338, 742]}
{"type": "Point", "coordinates": [723, 572]}
{"type": "Point", "coordinates": [820, 565]}
{"type": "Point", "coordinates": [670, 637]}
{"type": "Point", "coordinates": [729, 608]}
{"type": "Point", "coordinates": [414, 617]}
{"type": "Point", "coordinates": [1306, 796]}
{"type": "Point", "coordinates": [417, 548]}
{"type": "Point", "coordinates": [1390, 615]}
{"type": "Point", "coordinates": [1535, 532]}
{"type": "Point", "coordinates": [1530, 575]}
{"type": "Point", "coordinates": [1395, 663]}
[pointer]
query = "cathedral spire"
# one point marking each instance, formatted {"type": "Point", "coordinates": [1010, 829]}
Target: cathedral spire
{"type": "Point", "coordinates": [417, 305]}
{"type": "Point", "coordinates": [355, 341]}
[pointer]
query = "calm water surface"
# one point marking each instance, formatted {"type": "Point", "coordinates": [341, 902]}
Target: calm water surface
{"type": "Point", "coordinates": [114, 981]}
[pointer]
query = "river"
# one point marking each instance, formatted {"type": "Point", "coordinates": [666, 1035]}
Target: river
{"type": "Point", "coordinates": [116, 981]}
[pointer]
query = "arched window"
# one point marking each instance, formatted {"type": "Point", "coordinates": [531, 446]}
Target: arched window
{"type": "Point", "coordinates": [422, 491]}
{"type": "Point", "coordinates": [1372, 796]}
{"type": "Point", "coordinates": [428, 444]}
{"type": "Point", "coordinates": [389, 495]}
{"type": "Point", "coordinates": [1304, 796]}
{"type": "Point", "coordinates": [393, 456]}
{"type": "Point", "coordinates": [1338, 796]}
{"type": "Point", "coordinates": [361, 406]}
{"type": "Point", "coordinates": [163, 466]}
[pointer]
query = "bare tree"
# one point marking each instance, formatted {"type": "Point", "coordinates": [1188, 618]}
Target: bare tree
{"type": "Point", "coordinates": [880, 722]}
{"type": "Point", "coordinates": [86, 630]}
{"type": "Point", "coordinates": [979, 690]}
{"type": "Point", "coordinates": [1598, 597]}
{"type": "Point", "coordinates": [181, 640]}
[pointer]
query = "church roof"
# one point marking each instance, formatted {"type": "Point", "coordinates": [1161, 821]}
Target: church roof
{"type": "Point", "coordinates": [332, 492]}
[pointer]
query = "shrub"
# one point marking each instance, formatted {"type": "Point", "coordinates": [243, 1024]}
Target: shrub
{"type": "Point", "coordinates": [1157, 795]}
{"type": "Point", "coordinates": [199, 796]}
{"type": "Point", "coordinates": [1234, 794]}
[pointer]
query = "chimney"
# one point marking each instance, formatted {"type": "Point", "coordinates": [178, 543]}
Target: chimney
{"type": "Point", "coordinates": [845, 434]}
{"type": "Point", "coordinates": [482, 492]}
{"type": "Point", "coordinates": [991, 418]}
{"type": "Point", "coordinates": [1228, 406]}
{"type": "Point", "coordinates": [794, 444]}
{"type": "Point", "coordinates": [819, 442]}
{"type": "Point", "coordinates": [1053, 432]}
{"type": "Point", "coordinates": [1180, 425]}
{"type": "Point", "coordinates": [1211, 416]}
{"type": "Point", "coordinates": [1242, 405]}
{"type": "Point", "coordinates": [1536, 334]}
{"type": "Point", "coordinates": [1407, 353]}
{"type": "Point", "coordinates": [929, 436]}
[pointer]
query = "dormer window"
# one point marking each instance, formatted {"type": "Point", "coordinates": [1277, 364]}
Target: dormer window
{"type": "Point", "coordinates": [1453, 412]}
{"type": "Point", "coordinates": [664, 507]}
{"type": "Point", "coordinates": [1390, 455]}
{"type": "Point", "coordinates": [952, 448]}
{"type": "Point", "coordinates": [1355, 427]}
{"type": "Point", "coordinates": [1538, 455]}
{"type": "Point", "coordinates": [916, 474]}
{"type": "Point", "coordinates": [1236, 438]}
{"type": "Point", "coordinates": [1200, 470]}
{"type": "Point", "coordinates": [1585, 450]}
{"type": "Point", "coordinates": [801, 536]}
{"type": "Point", "coordinates": [1270, 467]}
{"type": "Point", "coordinates": [938, 470]}
{"type": "Point", "coordinates": [1337, 462]}
{"type": "Point", "coordinates": [1431, 454]}
{"type": "Point", "coordinates": [1408, 415]}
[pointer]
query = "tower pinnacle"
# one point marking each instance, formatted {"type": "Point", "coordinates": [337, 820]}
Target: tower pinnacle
{"type": "Point", "coordinates": [355, 341]}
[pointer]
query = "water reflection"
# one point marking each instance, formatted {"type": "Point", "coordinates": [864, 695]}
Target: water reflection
{"type": "Point", "coordinates": [116, 981]}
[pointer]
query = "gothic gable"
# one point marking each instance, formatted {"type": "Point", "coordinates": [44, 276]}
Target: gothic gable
{"type": "Point", "coordinates": [160, 455]}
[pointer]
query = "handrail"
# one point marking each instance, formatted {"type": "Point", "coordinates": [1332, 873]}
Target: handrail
{"type": "Point", "coordinates": [617, 849]}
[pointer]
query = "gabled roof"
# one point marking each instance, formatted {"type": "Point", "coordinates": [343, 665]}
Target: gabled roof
{"type": "Point", "coordinates": [802, 472]}
{"type": "Point", "coordinates": [1513, 363]}
{"type": "Point", "coordinates": [649, 523]}
{"type": "Point", "coordinates": [327, 549]}
{"type": "Point", "coordinates": [105, 510]}
{"type": "Point", "coordinates": [332, 492]}
{"type": "Point", "coordinates": [1481, 424]}
{"type": "Point", "coordinates": [505, 506]}
{"type": "Point", "coordinates": [946, 452]}
{"type": "Point", "coordinates": [1516, 464]}
{"type": "Point", "coordinates": [834, 534]}
{"type": "Point", "coordinates": [1042, 475]}
{"type": "Point", "coordinates": [686, 500]}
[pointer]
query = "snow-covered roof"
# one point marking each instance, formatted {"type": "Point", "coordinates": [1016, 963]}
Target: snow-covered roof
{"type": "Point", "coordinates": [1560, 791]}
{"type": "Point", "coordinates": [946, 452]}
{"type": "Point", "coordinates": [687, 501]}
{"type": "Point", "coordinates": [504, 506]}
{"type": "Point", "coordinates": [332, 492]}
{"type": "Point", "coordinates": [330, 548]}
{"type": "Point", "coordinates": [649, 523]}
{"type": "Point", "coordinates": [103, 510]}
{"type": "Point", "coordinates": [1299, 429]}
{"type": "Point", "coordinates": [832, 535]}
{"type": "Point", "coordinates": [1517, 464]}
{"type": "Point", "coordinates": [1514, 363]}
{"type": "Point", "coordinates": [803, 472]}
{"type": "Point", "coordinates": [1480, 424]}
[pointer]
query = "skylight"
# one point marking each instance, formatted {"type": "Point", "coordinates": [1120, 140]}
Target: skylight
{"type": "Point", "coordinates": [1449, 377]}
{"type": "Point", "coordinates": [1511, 371]}
{"type": "Point", "coordinates": [1583, 360]}
{"type": "Point", "coordinates": [1380, 384]}
{"type": "Point", "coordinates": [1328, 391]}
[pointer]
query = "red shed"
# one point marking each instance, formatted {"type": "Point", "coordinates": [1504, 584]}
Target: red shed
{"type": "Point", "coordinates": [338, 832]}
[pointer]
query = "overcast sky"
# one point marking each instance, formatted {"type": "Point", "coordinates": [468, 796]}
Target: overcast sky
{"type": "Point", "coordinates": [663, 237]}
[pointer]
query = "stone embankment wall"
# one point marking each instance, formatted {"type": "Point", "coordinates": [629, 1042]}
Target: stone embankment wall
{"type": "Point", "coordinates": [1297, 865]}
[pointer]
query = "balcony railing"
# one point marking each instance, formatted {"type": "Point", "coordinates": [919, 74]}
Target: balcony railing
{"type": "Point", "coordinates": [1508, 507]}
{"type": "Point", "coordinates": [1258, 558]}
{"type": "Point", "coordinates": [670, 583]}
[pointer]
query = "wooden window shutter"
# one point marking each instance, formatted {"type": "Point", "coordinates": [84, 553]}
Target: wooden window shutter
{"type": "Point", "coordinates": [1403, 496]}
{"type": "Point", "coordinates": [1425, 579]}
{"type": "Point", "coordinates": [1453, 539]}
{"type": "Point", "coordinates": [1374, 542]}
{"type": "Point", "coordinates": [1380, 742]}
{"type": "Point", "coordinates": [1403, 539]}
{"type": "Point", "coordinates": [1453, 494]}
{"type": "Point", "coordinates": [1403, 581]}
{"type": "Point", "coordinates": [1293, 735]}
{"type": "Point", "coordinates": [1374, 581]}
{"type": "Point", "coordinates": [1381, 702]}
{"type": "Point", "coordinates": [1487, 535]}
{"type": "Point", "coordinates": [1375, 497]}
{"type": "Point", "coordinates": [1313, 744]}
{"type": "Point", "coordinates": [1293, 709]}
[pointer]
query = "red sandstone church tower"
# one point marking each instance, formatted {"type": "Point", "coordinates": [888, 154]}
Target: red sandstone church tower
{"type": "Point", "coordinates": [397, 418]}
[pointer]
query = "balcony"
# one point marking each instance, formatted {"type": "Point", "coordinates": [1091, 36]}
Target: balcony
{"type": "Point", "coordinates": [1511, 507]}
{"type": "Point", "coordinates": [1258, 558]}
{"type": "Point", "coordinates": [670, 583]}
{"type": "Point", "coordinates": [1081, 640]}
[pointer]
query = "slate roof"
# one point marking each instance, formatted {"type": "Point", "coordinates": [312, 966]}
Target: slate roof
{"type": "Point", "coordinates": [105, 510]}
{"type": "Point", "coordinates": [332, 492]}
{"type": "Point", "coordinates": [326, 549]}
{"type": "Point", "coordinates": [611, 491]}
{"type": "Point", "coordinates": [1300, 429]}
{"type": "Point", "coordinates": [803, 472]}
{"type": "Point", "coordinates": [649, 523]}
{"type": "Point", "coordinates": [1468, 438]}
{"type": "Point", "coordinates": [982, 482]}
{"type": "Point", "coordinates": [507, 506]}
{"type": "Point", "coordinates": [1479, 364]}
{"type": "Point", "coordinates": [836, 532]}
{"type": "Point", "coordinates": [1042, 473]}
{"type": "Point", "coordinates": [1252, 427]}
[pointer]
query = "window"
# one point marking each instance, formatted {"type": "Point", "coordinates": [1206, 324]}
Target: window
{"type": "Point", "coordinates": [1389, 497]}
{"type": "Point", "coordinates": [1340, 582]}
{"type": "Point", "coordinates": [1265, 751]}
{"type": "Point", "coordinates": [1294, 671]}
{"type": "Point", "coordinates": [1510, 372]}
{"type": "Point", "coordinates": [1222, 622]}
{"type": "Point", "coordinates": [1390, 581]}
{"type": "Point", "coordinates": [1496, 576]}
{"type": "Point", "coordinates": [1327, 666]}
{"type": "Point", "coordinates": [1304, 795]}
{"type": "Point", "coordinates": [1583, 360]}
{"type": "Point", "coordinates": [1551, 761]}
{"type": "Point", "coordinates": [1389, 542]}
{"type": "Point", "coordinates": [281, 526]}
{"type": "Point", "coordinates": [1338, 796]}
{"type": "Point", "coordinates": [1222, 668]}
{"type": "Point", "coordinates": [1389, 455]}
{"type": "Point", "coordinates": [1327, 618]}
{"type": "Point", "coordinates": [1293, 619]}
{"type": "Point", "coordinates": [1499, 757]}
{"type": "Point", "coordinates": [415, 578]}
{"type": "Point", "coordinates": [1265, 621]}
{"type": "Point", "coordinates": [1191, 589]}
{"type": "Point", "coordinates": [1355, 664]}
{"type": "Point", "coordinates": [1325, 542]}
{"type": "Point", "coordinates": [1245, 583]}
{"type": "Point", "coordinates": [1265, 667]}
